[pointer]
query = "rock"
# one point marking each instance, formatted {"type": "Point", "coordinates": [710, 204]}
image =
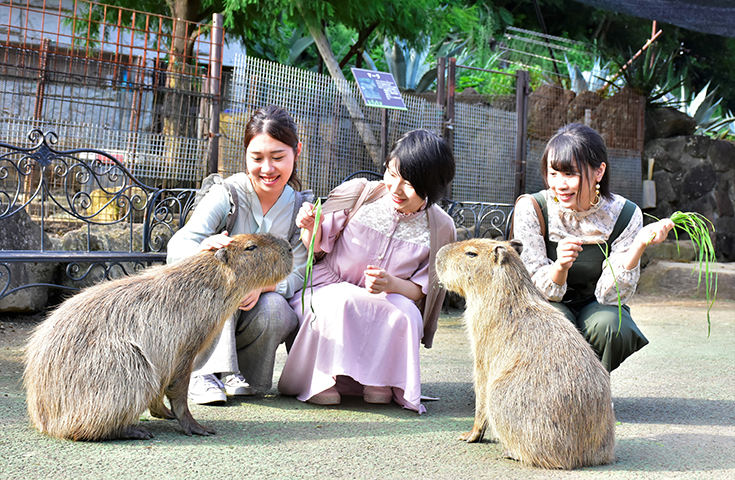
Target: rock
{"type": "Point", "coordinates": [697, 146]}
{"type": "Point", "coordinates": [669, 250]}
{"type": "Point", "coordinates": [20, 232]}
{"type": "Point", "coordinates": [722, 155]}
{"type": "Point", "coordinates": [668, 122]}
{"type": "Point", "coordinates": [698, 181]}
{"type": "Point", "coordinates": [680, 280]}
{"type": "Point", "coordinates": [725, 238]}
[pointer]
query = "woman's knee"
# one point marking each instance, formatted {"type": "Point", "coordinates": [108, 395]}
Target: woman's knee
{"type": "Point", "coordinates": [272, 313]}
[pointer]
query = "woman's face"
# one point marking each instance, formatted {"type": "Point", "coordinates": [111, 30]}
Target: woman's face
{"type": "Point", "coordinates": [404, 197]}
{"type": "Point", "coordinates": [269, 164]}
{"type": "Point", "coordinates": [569, 188]}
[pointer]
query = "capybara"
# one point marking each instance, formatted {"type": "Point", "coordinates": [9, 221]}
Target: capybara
{"type": "Point", "coordinates": [539, 386]}
{"type": "Point", "coordinates": [113, 350]}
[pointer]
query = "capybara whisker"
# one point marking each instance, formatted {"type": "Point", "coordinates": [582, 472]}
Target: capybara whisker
{"type": "Point", "coordinates": [112, 351]}
{"type": "Point", "coordinates": [539, 387]}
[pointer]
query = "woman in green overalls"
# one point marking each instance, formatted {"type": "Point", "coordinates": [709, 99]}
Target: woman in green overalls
{"type": "Point", "coordinates": [566, 228]}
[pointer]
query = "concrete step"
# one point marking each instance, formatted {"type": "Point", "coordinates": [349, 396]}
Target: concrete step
{"type": "Point", "coordinates": [679, 279]}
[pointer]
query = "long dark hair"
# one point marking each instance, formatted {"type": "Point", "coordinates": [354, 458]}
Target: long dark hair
{"type": "Point", "coordinates": [575, 148]}
{"type": "Point", "coordinates": [277, 123]}
{"type": "Point", "coordinates": [425, 161]}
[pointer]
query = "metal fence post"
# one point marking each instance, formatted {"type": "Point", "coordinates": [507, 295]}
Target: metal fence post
{"type": "Point", "coordinates": [441, 65]}
{"type": "Point", "coordinates": [522, 92]}
{"type": "Point", "coordinates": [215, 77]}
{"type": "Point", "coordinates": [384, 130]}
{"type": "Point", "coordinates": [449, 116]}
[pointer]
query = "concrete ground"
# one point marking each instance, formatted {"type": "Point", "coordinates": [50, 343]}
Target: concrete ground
{"type": "Point", "coordinates": [674, 402]}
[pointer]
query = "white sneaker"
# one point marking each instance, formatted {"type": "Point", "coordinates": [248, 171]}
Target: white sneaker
{"type": "Point", "coordinates": [235, 384]}
{"type": "Point", "coordinates": [204, 389]}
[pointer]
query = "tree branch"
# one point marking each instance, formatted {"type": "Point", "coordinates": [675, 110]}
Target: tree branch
{"type": "Point", "coordinates": [357, 47]}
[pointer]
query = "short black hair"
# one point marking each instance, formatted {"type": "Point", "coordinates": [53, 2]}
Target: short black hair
{"type": "Point", "coordinates": [425, 161]}
{"type": "Point", "coordinates": [576, 148]}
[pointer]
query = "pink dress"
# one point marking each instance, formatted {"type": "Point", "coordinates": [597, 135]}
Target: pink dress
{"type": "Point", "coordinates": [373, 339]}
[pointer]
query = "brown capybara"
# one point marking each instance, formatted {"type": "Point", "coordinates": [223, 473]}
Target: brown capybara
{"type": "Point", "coordinates": [539, 386]}
{"type": "Point", "coordinates": [113, 350]}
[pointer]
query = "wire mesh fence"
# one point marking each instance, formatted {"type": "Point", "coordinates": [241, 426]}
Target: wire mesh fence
{"type": "Point", "coordinates": [484, 136]}
{"type": "Point", "coordinates": [104, 77]}
{"type": "Point", "coordinates": [619, 119]}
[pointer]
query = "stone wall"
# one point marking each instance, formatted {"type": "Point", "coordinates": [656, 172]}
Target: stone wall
{"type": "Point", "coordinates": [694, 173]}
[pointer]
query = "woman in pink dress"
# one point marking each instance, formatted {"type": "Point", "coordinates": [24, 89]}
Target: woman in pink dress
{"type": "Point", "coordinates": [375, 296]}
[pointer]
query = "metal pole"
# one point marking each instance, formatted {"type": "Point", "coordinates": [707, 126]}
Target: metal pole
{"type": "Point", "coordinates": [522, 92]}
{"type": "Point", "coordinates": [441, 65]}
{"type": "Point", "coordinates": [449, 120]}
{"type": "Point", "coordinates": [215, 77]}
{"type": "Point", "coordinates": [384, 119]}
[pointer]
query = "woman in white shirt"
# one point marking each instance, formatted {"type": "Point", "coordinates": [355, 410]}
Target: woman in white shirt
{"type": "Point", "coordinates": [266, 199]}
{"type": "Point", "coordinates": [566, 231]}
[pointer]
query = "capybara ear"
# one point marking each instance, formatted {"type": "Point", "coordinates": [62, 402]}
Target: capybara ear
{"type": "Point", "coordinates": [222, 254]}
{"type": "Point", "coordinates": [517, 245]}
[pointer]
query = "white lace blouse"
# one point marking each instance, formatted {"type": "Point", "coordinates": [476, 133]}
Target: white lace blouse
{"type": "Point", "coordinates": [591, 226]}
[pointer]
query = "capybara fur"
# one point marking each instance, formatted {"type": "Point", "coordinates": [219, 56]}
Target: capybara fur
{"type": "Point", "coordinates": [539, 387]}
{"type": "Point", "coordinates": [112, 351]}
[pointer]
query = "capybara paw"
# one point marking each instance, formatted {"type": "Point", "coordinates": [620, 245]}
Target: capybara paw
{"type": "Point", "coordinates": [197, 429]}
{"type": "Point", "coordinates": [471, 437]}
{"type": "Point", "coordinates": [162, 412]}
{"type": "Point", "coordinates": [136, 432]}
{"type": "Point", "coordinates": [510, 455]}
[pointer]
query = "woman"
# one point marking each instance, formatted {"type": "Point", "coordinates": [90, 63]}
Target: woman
{"type": "Point", "coordinates": [566, 231]}
{"type": "Point", "coordinates": [266, 200]}
{"type": "Point", "coordinates": [375, 296]}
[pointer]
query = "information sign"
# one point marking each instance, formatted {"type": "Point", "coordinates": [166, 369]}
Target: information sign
{"type": "Point", "coordinates": [378, 89]}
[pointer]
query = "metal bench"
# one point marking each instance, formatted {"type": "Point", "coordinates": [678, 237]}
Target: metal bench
{"type": "Point", "coordinates": [91, 190]}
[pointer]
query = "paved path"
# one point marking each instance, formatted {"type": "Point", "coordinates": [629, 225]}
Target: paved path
{"type": "Point", "coordinates": [674, 401]}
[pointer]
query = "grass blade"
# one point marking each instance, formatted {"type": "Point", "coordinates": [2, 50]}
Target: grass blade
{"type": "Point", "coordinates": [308, 280]}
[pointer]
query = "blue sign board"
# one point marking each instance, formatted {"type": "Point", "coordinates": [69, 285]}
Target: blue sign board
{"type": "Point", "coordinates": [378, 89]}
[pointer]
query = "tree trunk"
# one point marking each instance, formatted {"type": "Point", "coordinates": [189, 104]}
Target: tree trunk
{"type": "Point", "coordinates": [325, 50]}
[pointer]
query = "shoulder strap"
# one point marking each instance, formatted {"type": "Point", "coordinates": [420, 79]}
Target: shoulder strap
{"type": "Point", "coordinates": [536, 199]}
{"type": "Point", "coordinates": [232, 215]}
{"type": "Point", "coordinates": [294, 233]}
{"type": "Point", "coordinates": [539, 203]}
{"type": "Point", "coordinates": [214, 179]}
{"type": "Point", "coordinates": [622, 222]}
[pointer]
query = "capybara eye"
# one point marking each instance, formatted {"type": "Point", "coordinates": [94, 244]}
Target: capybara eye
{"type": "Point", "coordinates": [250, 248]}
{"type": "Point", "coordinates": [471, 254]}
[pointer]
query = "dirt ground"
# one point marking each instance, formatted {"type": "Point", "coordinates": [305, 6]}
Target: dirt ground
{"type": "Point", "coordinates": [674, 403]}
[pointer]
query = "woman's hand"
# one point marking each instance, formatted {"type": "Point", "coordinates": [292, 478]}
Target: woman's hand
{"type": "Point", "coordinates": [377, 280]}
{"type": "Point", "coordinates": [567, 251]}
{"type": "Point", "coordinates": [215, 242]}
{"type": "Point", "coordinates": [654, 232]}
{"type": "Point", "coordinates": [306, 219]}
{"type": "Point", "coordinates": [249, 300]}
{"type": "Point", "coordinates": [650, 234]}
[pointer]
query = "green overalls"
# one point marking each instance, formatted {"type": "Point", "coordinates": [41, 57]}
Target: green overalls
{"type": "Point", "coordinates": [612, 339]}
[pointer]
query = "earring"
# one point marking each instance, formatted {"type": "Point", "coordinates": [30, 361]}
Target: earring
{"type": "Point", "coordinates": [556, 199]}
{"type": "Point", "coordinates": [596, 200]}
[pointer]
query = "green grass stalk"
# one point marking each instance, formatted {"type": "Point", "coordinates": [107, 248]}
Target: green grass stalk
{"type": "Point", "coordinates": [308, 280]}
{"type": "Point", "coordinates": [697, 227]}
